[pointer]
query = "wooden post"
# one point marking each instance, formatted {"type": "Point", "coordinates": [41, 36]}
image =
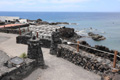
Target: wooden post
{"type": "Point", "coordinates": [37, 34]}
{"type": "Point", "coordinates": [115, 58]}
{"type": "Point", "coordinates": [78, 42]}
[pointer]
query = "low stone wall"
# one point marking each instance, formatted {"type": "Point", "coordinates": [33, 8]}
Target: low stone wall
{"type": "Point", "coordinates": [13, 31]}
{"type": "Point", "coordinates": [18, 73]}
{"type": "Point", "coordinates": [24, 38]}
{"type": "Point", "coordinates": [45, 43]}
{"type": "Point", "coordinates": [86, 60]}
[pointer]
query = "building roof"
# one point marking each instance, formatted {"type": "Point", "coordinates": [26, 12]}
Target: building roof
{"type": "Point", "coordinates": [3, 18]}
{"type": "Point", "coordinates": [10, 25]}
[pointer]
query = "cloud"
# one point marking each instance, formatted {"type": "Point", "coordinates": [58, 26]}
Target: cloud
{"type": "Point", "coordinates": [63, 1]}
{"type": "Point", "coordinates": [10, 2]}
{"type": "Point", "coordinates": [42, 5]}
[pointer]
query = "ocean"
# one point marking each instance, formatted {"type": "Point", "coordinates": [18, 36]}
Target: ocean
{"type": "Point", "coordinates": [104, 23]}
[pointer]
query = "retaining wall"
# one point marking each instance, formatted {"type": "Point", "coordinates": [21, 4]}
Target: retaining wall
{"type": "Point", "coordinates": [18, 73]}
{"type": "Point", "coordinates": [24, 38]}
{"type": "Point", "coordinates": [86, 60]}
{"type": "Point", "coordinates": [13, 31]}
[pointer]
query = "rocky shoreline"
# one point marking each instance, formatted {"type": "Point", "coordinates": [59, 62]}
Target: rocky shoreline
{"type": "Point", "coordinates": [50, 33]}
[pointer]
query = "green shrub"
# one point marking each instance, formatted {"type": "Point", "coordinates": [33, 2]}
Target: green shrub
{"type": "Point", "coordinates": [23, 55]}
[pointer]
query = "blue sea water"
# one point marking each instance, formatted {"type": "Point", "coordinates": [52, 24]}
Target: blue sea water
{"type": "Point", "coordinates": [107, 24]}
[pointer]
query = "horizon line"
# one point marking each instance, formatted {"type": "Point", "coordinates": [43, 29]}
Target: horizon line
{"type": "Point", "coordinates": [66, 11]}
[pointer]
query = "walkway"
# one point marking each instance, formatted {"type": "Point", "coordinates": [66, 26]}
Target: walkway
{"type": "Point", "coordinates": [59, 69]}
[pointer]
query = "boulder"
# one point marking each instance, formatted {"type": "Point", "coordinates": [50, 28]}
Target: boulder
{"type": "Point", "coordinates": [38, 20]}
{"type": "Point", "coordinates": [96, 37]}
{"type": "Point", "coordinates": [66, 32]}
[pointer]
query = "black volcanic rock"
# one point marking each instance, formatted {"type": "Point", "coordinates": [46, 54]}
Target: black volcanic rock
{"type": "Point", "coordinates": [43, 22]}
{"type": "Point", "coordinates": [38, 20]}
{"type": "Point", "coordinates": [56, 23]}
{"type": "Point", "coordinates": [66, 32]}
{"type": "Point", "coordinates": [62, 22]}
{"type": "Point", "coordinates": [96, 37]}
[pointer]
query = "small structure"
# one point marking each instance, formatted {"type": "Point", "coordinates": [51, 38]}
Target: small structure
{"type": "Point", "coordinates": [34, 51]}
{"type": "Point", "coordinates": [8, 18]}
{"type": "Point", "coordinates": [23, 21]}
{"type": "Point", "coordinates": [13, 62]}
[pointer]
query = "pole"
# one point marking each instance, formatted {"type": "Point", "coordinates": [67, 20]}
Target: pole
{"type": "Point", "coordinates": [115, 58]}
{"type": "Point", "coordinates": [78, 42]}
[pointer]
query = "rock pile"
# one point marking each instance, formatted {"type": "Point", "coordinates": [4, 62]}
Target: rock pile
{"type": "Point", "coordinates": [96, 37]}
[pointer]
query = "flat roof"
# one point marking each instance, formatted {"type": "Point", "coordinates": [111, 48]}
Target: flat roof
{"type": "Point", "coordinates": [10, 25]}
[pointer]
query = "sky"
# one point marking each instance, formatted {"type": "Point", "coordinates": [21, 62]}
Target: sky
{"type": "Point", "coordinates": [60, 5]}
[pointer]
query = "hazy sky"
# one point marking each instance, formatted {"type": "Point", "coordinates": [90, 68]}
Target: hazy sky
{"type": "Point", "coordinates": [61, 5]}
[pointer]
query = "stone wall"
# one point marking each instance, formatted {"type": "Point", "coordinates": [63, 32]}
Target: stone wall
{"type": "Point", "coordinates": [54, 42]}
{"type": "Point", "coordinates": [84, 59]}
{"type": "Point", "coordinates": [18, 73]}
{"type": "Point", "coordinates": [45, 43]}
{"type": "Point", "coordinates": [13, 31]}
{"type": "Point", "coordinates": [23, 39]}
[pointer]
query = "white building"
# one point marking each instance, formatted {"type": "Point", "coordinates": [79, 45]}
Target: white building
{"type": "Point", "coordinates": [23, 21]}
{"type": "Point", "coordinates": [8, 18]}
